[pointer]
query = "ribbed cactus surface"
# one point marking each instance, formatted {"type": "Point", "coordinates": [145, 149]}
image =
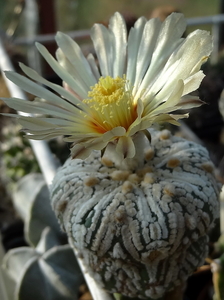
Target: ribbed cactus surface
{"type": "Point", "coordinates": [142, 231]}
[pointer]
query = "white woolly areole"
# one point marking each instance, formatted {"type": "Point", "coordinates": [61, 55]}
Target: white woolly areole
{"type": "Point", "coordinates": [143, 232]}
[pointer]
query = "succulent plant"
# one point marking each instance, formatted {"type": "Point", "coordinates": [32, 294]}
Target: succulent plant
{"type": "Point", "coordinates": [18, 158]}
{"type": "Point", "coordinates": [141, 231]}
{"type": "Point", "coordinates": [48, 272]}
{"type": "Point", "coordinates": [48, 269]}
{"type": "Point", "coordinates": [31, 201]}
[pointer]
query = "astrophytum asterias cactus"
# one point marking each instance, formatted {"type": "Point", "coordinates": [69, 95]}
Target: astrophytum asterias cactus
{"type": "Point", "coordinates": [141, 231]}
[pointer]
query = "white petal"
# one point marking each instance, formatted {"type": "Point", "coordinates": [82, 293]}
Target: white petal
{"type": "Point", "coordinates": [74, 54]}
{"type": "Point", "coordinates": [153, 104]}
{"type": "Point", "coordinates": [62, 73]}
{"type": "Point", "coordinates": [37, 107]}
{"type": "Point", "coordinates": [96, 144]}
{"type": "Point", "coordinates": [183, 60]}
{"type": "Point", "coordinates": [115, 132]}
{"type": "Point", "coordinates": [57, 88]}
{"type": "Point", "coordinates": [66, 64]}
{"type": "Point", "coordinates": [102, 40]}
{"type": "Point", "coordinates": [157, 106]}
{"type": "Point", "coordinates": [193, 82]}
{"type": "Point", "coordinates": [169, 38]}
{"type": "Point", "coordinates": [32, 87]}
{"type": "Point", "coordinates": [140, 108]}
{"type": "Point", "coordinates": [118, 28]}
{"type": "Point", "coordinates": [188, 102]}
{"type": "Point", "coordinates": [200, 63]}
{"type": "Point", "coordinates": [79, 137]}
{"type": "Point", "coordinates": [93, 66]}
{"type": "Point", "coordinates": [60, 122]}
{"type": "Point", "coordinates": [126, 147]}
{"type": "Point", "coordinates": [177, 117]}
{"type": "Point", "coordinates": [142, 125]}
{"type": "Point", "coordinates": [41, 136]}
{"type": "Point", "coordinates": [166, 118]}
{"type": "Point", "coordinates": [146, 48]}
{"type": "Point", "coordinates": [136, 127]}
{"type": "Point", "coordinates": [83, 150]}
{"type": "Point", "coordinates": [43, 125]}
{"type": "Point", "coordinates": [171, 32]}
{"type": "Point", "coordinates": [79, 151]}
{"type": "Point", "coordinates": [134, 39]}
{"type": "Point", "coordinates": [35, 124]}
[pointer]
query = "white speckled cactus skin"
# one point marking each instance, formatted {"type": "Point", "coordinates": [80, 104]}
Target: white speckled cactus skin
{"type": "Point", "coordinates": [140, 232]}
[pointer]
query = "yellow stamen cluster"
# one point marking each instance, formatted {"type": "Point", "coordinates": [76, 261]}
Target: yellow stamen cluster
{"type": "Point", "coordinates": [111, 103]}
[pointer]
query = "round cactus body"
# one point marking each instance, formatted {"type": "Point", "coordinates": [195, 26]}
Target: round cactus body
{"type": "Point", "coordinates": [140, 231]}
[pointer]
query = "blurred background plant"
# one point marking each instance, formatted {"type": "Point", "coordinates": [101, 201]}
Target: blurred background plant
{"type": "Point", "coordinates": [81, 14]}
{"type": "Point", "coordinates": [47, 258]}
{"type": "Point", "coordinates": [18, 159]}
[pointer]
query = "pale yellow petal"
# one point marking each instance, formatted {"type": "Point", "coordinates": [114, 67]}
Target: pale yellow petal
{"type": "Point", "coordinates": [115, 132]}
{"type": "Point", "coordinates": [79, 151]}
{"type": "Point", "coordinates": [193, 82]}
{"type": "Point", "coordinates": [61, 72]}
{"type": "Point", "coordinates": [188, 102]}
{"type": "Point", "coordinates": [134, 39]}
{"type": "Point", "coordinates": [57, 88]}
{"type": "Point", "coordinates": [156, 106]}
{"type": "Point", "coordinates": [126, 147]}
{"type": "Point", "coordinates": [118, 30]}
{"type": "Point", "coordinates": [73, 53]}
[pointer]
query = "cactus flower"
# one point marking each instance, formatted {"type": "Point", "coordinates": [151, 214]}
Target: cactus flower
{"type": "Point", "coordinates": [138, 81]}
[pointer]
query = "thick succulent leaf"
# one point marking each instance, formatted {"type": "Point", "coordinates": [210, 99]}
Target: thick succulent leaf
{"type": "Point", "coordinates": [16, 259]}
{"type": "Point", "coordinates": [31, 200]}
{"type": "Point", "coordinates": [56, 272]}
